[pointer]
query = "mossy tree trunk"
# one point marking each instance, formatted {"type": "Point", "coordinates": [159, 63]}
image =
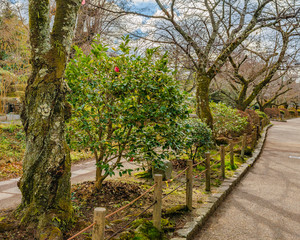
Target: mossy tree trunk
{"type": "Point", "coordinates": [45, 184]}
{"type": "Point", "coordinates": [202, 100]}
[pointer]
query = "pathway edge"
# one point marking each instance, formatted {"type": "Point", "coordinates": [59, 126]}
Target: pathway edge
{"type": "Point", "coordinates": [214, 200]}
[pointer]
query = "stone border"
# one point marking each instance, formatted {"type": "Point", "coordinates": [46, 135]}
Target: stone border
{"type": "Point", "coordinates": [214, 200]}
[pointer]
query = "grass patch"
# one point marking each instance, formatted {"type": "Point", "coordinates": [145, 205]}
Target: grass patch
{"type": "Point", "coordinates": [12, 149]}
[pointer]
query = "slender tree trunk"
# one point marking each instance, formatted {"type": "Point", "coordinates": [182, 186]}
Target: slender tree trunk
{"type": "Point", "coordinates": [240, 101]}
{"type": "Point", "coordinates": [202, 100]}
{"type": "Point", "coordinates": [45, 184]}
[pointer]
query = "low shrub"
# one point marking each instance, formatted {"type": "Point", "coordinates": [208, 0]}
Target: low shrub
{"type": "Point", "coordinates": [227, 121]}
{"type": "Point", "coordinates": [254, 117]}
{"type": "Point", "coordinates": [293, 112]}
{"type": "Point", "coordinates": [198, 137]}
{"type": "Point", "coordinates": [262, 116]}
{"type": "Point", "coordinates": [272, 112]}
{"type": "Point", "coordinates": [249, 126]}
{"type": "Point", "coordinates": [285, 112]}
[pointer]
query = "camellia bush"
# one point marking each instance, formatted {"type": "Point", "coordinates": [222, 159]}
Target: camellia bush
{"type": "Point", "coordinates": [227, 120]}
{"type": "Point", "coordinates": [126, 107]}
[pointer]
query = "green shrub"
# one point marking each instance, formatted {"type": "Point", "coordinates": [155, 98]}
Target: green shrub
{"type": "Point", "coordinates": [261, 114]}
{"type": "Point", "coordinates": [125, 106]}
{"type": "Point", "coordinates": [198, 137]}
{"type": "Point", "coordinates": [227, 121]}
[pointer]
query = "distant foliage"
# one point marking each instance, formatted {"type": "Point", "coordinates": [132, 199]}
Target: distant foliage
{"type": "Point", "coordinates": [14, 42]}
{"type": "Point", "coordinates": [125, 106]}
{"type": "Point", "coordinates": [227, 121]}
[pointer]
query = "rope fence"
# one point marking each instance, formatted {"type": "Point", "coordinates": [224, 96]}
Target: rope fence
{"type": "Point", "coordinates": [129, 204]}
{"type": "Point", "coordinates": [131, 221]}
{"type": "Point", "coordinates": [209, 162]}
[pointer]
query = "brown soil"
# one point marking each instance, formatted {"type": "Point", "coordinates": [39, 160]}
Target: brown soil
{"type": "Point", "coordinates": [115, 194]}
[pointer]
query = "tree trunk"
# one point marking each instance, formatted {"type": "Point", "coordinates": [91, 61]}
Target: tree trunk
{"type": "Point", "coordinates": [202, 100]}
{"type": "Point", "coordinates": [241, 106]}
{"type": "Point", "coordinates": [240, 101]}
{"type": "Point", "coordinates": [45, 184]}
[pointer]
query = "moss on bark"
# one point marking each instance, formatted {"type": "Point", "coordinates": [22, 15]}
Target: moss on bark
{"type": "Point", "coordinates": [202, 100]}
{"type": "Point", "coordinates": [45, 184]}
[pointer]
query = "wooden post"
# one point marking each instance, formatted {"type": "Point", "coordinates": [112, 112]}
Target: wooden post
{"type": "Point", "coordinates": [222, 156]}
{"type": "Point", "coordinates": [257, 132]}
{"type": "Point", "coordinates": [158, 200]}
{"type": "Point", "coordinates": [244, 143]}
{"type": "Point", "coordinates": [254, 138]}
{"type": "Point", "coordinates": [207, 173]}
{"type": "Point", "coordinates": [231, 154]}
{"type": "Point", "coordinates": [189, 185]}
{"type": "Point", "coordinates": [99, 227]}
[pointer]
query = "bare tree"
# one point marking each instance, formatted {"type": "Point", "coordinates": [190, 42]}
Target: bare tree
{"type": "Point", "coordinates": [248, 77]}
{"type": "Point", "coordinates": [207, 32]}
{"type": "Point", "coordinates": [93, 20]}
{"type": "Point", "coordinates": [284, 91]}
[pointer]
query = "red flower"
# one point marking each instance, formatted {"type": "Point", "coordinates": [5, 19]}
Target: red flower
{"type": "Point", "coordinates": [131, 159]}
{"type": "Point", "coordinates": [117, 69]}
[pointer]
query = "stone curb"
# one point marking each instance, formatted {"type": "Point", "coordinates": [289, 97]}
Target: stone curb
{"type": "Point", "coordinates": [214, 200]}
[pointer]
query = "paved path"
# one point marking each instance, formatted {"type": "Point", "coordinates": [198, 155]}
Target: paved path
{"type": "Point", "coordinates": [266, 204]}
{"type": "Point", "coordinates": [10, 195]}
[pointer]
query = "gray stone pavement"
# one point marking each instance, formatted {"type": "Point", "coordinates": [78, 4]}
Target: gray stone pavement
{"type": "Point", "coordinates": [10, 195]}
{"type": "Point", "coordinates": [266, 203]}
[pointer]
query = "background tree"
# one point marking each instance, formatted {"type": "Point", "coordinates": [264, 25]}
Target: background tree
{"type": "Point", "coordinates": [45, 184]}
{"type": "Point", "coordinates": [273, 92]}
{"type": "Point", "coordinates": [207, 32]}
{"type": "Point", "coordinates": [14, 45]}
{"type": "Point", "coordinates": [93, 21]}
{"type": "Point", "coordinates": [253, 68]}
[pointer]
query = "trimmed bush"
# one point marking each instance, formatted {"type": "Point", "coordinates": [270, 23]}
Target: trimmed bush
{"type": "Point", "coordinates": [254, 117]}
{"type": "Point", "coordinates": [198, 137]}
{"type": "Point", "coordinates": [272, 112]}
{"type": "Point", "coordinates": [249, 126]}
{"type": "Point", "coordinates": [285, 112]}
{"type": "Point", "coordinates": [227, 121]}
{"type": "Point", "coordinates": [262, 116]}
{"type": "Point", "coordinates": [293, 112]}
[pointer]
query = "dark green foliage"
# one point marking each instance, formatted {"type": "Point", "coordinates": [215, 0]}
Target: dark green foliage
{"type": "Point", "coordinates": [198, 137]}
{"type": "Point", "coordinates": [126, 106]}
{"type": "Point", "coordinates": [227, 121]}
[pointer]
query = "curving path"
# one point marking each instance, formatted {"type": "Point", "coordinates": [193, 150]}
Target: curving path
{"type": "Point", "coordinates": [266, 203]}
{"type": "Point", "coordinates": [10, 195]}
